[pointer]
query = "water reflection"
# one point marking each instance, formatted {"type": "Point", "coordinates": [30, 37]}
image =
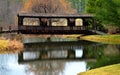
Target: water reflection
{"type": "Point", "coordinates": [9, 65]}
{"type": "Point", "coordinates": [74, 67]}
{"type": "Point", "coordinates": [79, 53]}
{"type": "Point", "coordinates": [53, 59]}
{"type": "Point", "coordinates": [53, 51]}
{"type": "Point", "coordinates": [105, 55]}
{"type": "Point", "coordinates": [50, 55]}
{"type": "Point", "coordinates": [46, 68]}
{"type": "Point", "coordinates": [63, 58]}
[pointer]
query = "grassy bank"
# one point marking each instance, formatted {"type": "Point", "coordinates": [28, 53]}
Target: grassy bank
{"type": "Point", "coordinates": [10, 46]}
{"type": "Point", "coordinates": [109, 39]}
{"type": "Point", "coordinates": [108, 70]}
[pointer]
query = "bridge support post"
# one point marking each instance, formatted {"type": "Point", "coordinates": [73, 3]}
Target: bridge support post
{"type": "Point", "coordinates": [1, 29]}
{"type": "Point", "coordinates": [20, 57]}
{"type": "Point", "coordinates": [71, 54]}
{"type": "Point", "coordinates": [43, 55]}
{"type": "Point", "coordinates": [93, 24]}
{"type": "Point", "coordinates": [10, 29]}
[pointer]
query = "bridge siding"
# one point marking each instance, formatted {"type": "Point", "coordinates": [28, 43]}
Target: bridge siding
{"type": "Point", "coordinates": [71, 28]}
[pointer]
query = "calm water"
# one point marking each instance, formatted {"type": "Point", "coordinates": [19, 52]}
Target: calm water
{"type": "Point", "coordinates": [59, 58]}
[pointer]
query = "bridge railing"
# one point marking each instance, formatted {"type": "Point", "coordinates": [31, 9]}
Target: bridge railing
{"type": "Point", "coordinates": [8, 28]}
{"type": "Point", "coordinates": [53, 28]}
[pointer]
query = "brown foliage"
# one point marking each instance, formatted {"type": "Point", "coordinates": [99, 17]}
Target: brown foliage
{"type": "Point", "coordinates": [48, 6]}
{"type": "Point", "coordinates": [10, 46]}
{"type": "Point", "coordinates": [15, 46]}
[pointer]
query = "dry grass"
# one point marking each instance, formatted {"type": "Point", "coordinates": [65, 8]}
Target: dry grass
{"type": "Point", "coordinates": [10, 46]}
{"type": "Point", "coordinates": [108, 70]}
{"type": "Point", "coordinates": [15, 46]}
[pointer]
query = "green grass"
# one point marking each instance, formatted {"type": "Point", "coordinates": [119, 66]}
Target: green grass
{"type": "Point", "coordinates": [108, 70]}
{"type": "Point", "coordinates": [107, 39]}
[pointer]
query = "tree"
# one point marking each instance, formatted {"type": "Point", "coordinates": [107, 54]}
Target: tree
{"type": "Point", "coordinates": [79, 5]}
{"type": "Point", "coordinates": [106, 11]}
{"type": "Point", "coordinates": [48, 6]}
{"type": "Point", "coordinates": [8, 11]}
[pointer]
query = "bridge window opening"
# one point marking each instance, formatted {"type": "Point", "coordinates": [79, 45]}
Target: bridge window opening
{"type": "Point", "coordinates": [59, 22]}
{"type": "Point", "coordinates": [31, 22]}
{"type": "Point", "coordinates": [79, 22]}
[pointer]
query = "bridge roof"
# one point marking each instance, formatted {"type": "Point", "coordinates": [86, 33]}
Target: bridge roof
{"type": "Point", "coordinates": [44, 15]}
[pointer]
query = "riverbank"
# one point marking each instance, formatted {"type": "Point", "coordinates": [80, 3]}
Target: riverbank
{"type": "Point", "coordinates": [106, 39]}
{"type": "Point", "coordinates": [10, 46]}
{"type": "Point", "coordinates": [107, 70]}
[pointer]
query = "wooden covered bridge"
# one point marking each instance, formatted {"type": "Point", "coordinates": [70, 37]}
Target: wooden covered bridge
{"type": "Point", "coordinates": [53, 24]}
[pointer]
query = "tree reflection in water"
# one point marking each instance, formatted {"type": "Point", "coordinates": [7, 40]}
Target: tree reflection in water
{"type": "Point", "coordinates": [102, 53]}
{"type": "Point", "coordinates": [39, 59]}
{"type": "Point", "coordinates": [46, 67]}
{"type": "Point", "coordinates": [105, 55]}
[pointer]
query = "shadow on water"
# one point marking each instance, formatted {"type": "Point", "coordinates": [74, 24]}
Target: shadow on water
{"type": "Point", "coordinates": [59, 58]}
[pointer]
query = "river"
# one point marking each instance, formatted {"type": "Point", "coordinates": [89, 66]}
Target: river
{"type": "Point", "coordinates": [59, 58]}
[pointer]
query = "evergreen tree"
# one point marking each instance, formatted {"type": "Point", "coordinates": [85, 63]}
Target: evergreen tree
{"type": "Point", "coordinates": [106, 11]}
{"type": "Point", "coordinates": [79, 5]}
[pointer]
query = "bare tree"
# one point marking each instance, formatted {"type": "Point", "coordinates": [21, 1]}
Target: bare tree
{"type": "Point", "coordinates": [48, 6]}
{"type": "Point", "coordinates": [8, 11]}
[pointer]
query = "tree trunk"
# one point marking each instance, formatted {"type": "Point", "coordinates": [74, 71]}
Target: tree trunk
{"type": "Point", "coordinates": [112, 29]}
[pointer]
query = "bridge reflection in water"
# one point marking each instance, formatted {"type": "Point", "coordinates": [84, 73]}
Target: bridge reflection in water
{"type": "Point", "coordinates": [54, 51]}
